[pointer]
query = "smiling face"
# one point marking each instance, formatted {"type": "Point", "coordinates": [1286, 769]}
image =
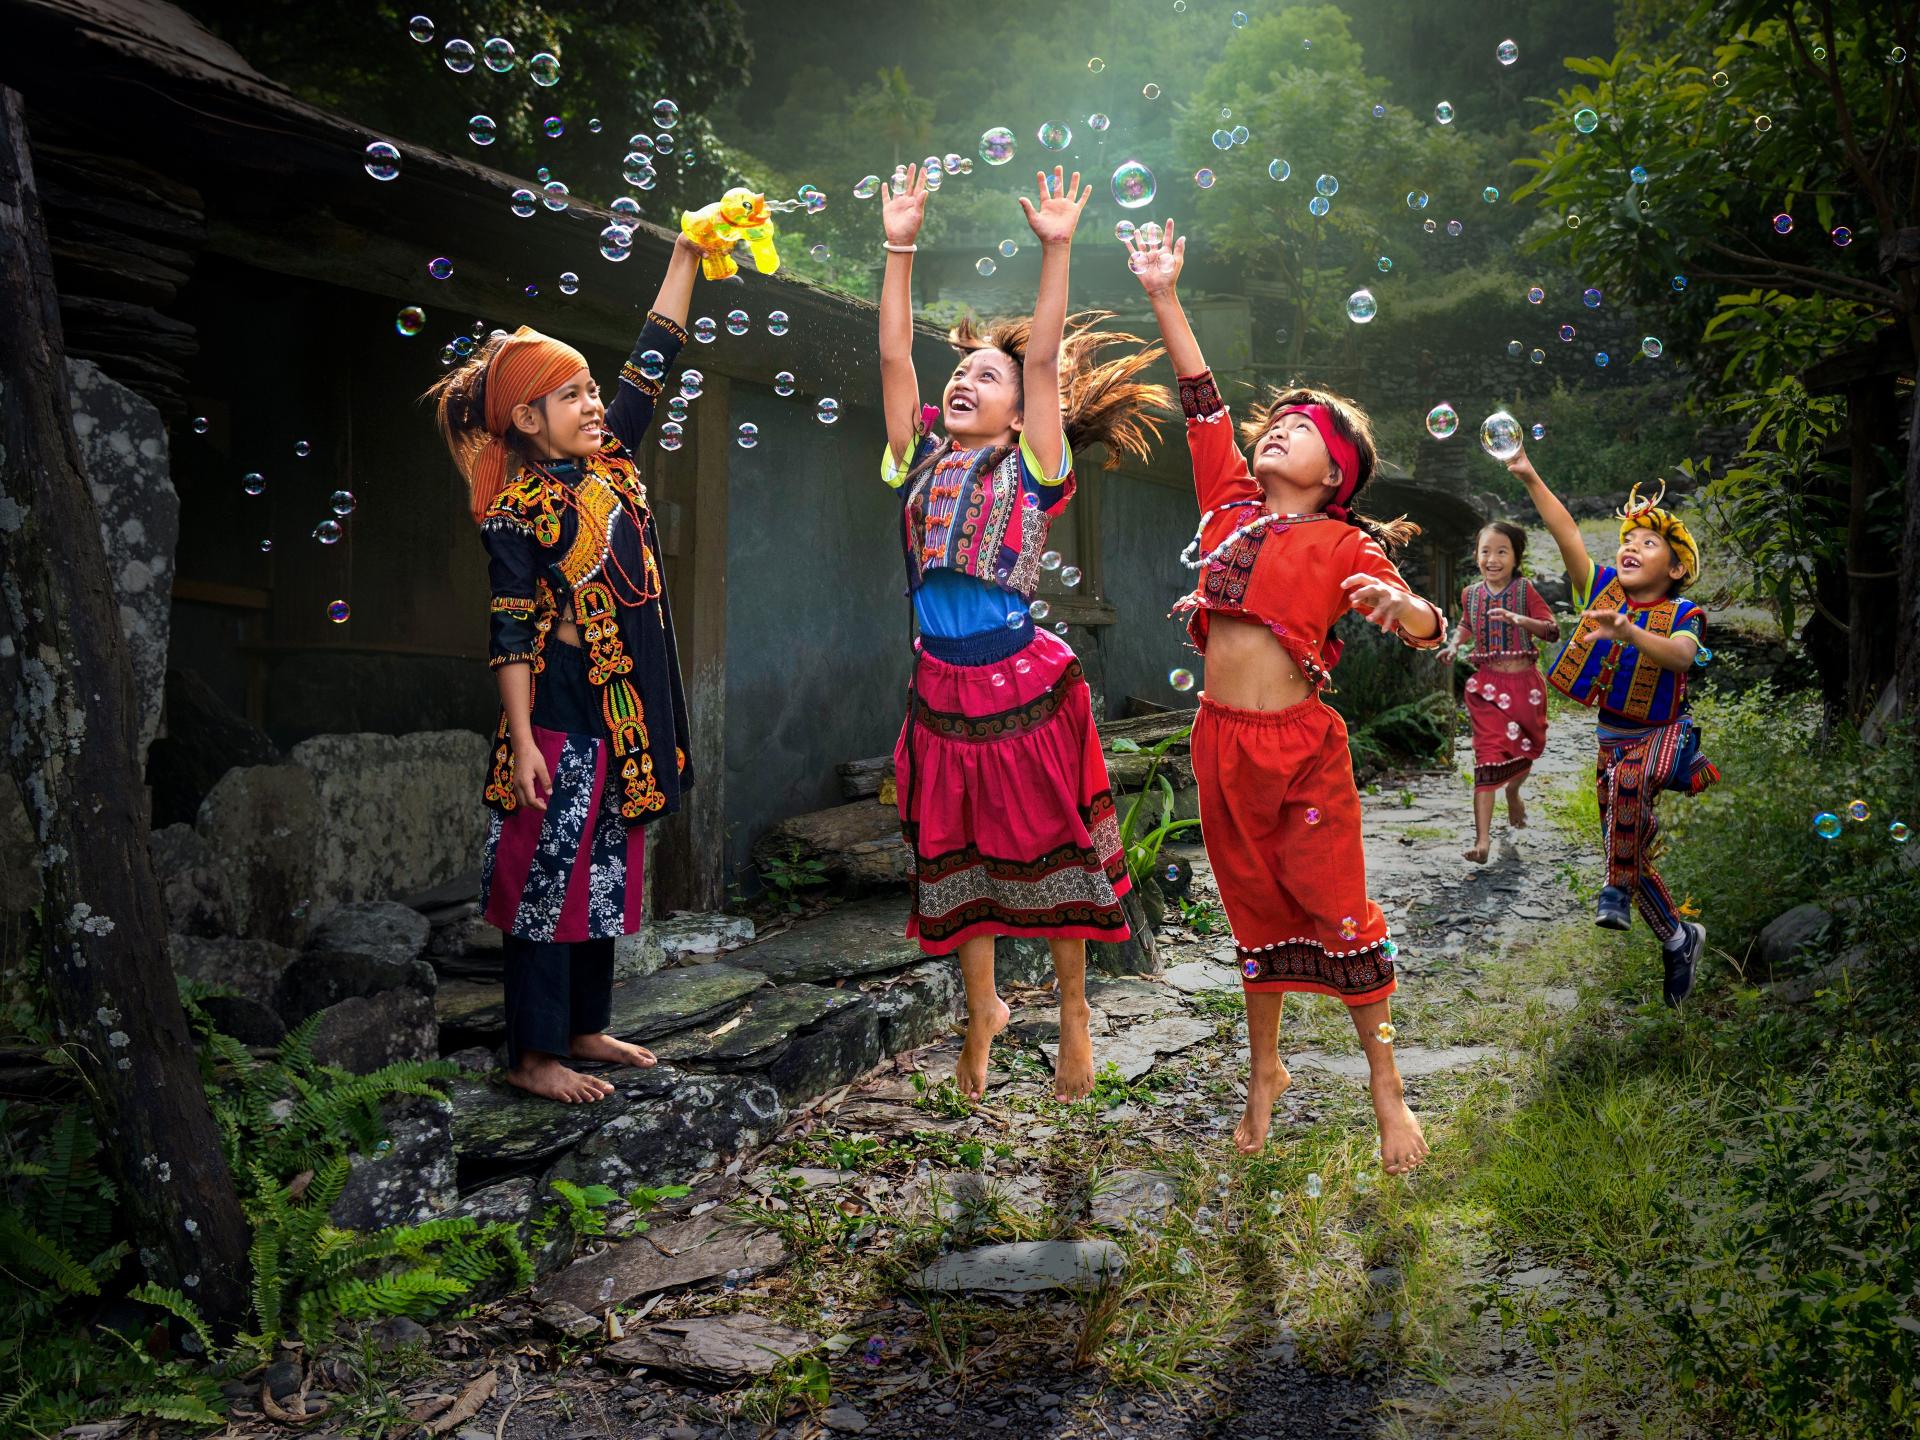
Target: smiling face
{"type": "Point", "coordinates": [981, 404]}
{"type": "Point", "coordinates": [1646, 563]}
{"type": "Point", "coordinates": [1291, 463]}
{"type": "Point", "coordinates": [1495, 557]}
{"type": "Point", "coordinates": [567, 423]}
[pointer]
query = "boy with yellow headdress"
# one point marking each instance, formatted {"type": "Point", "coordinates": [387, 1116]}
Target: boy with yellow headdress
{"type": "Point", "coordinates": [1629, 657]}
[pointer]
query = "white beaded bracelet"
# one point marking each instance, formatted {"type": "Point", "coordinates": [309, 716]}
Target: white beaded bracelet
{"type": "Point", "coordinates": [898, 249]}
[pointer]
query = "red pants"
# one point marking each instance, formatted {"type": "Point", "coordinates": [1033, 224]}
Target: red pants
{"type": "Point", "coordinates": [1508, 709]}
{"type": "Point", "coordinates": [1281, 820]}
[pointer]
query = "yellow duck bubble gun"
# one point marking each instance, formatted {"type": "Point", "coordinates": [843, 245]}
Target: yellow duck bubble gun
{"type": "Point", "coordinates": [738, 215]}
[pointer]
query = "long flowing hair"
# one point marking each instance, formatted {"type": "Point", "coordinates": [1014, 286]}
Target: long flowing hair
{"type": "Point", "coordinates": [459, 400]}
{"type": "Point", "coordinates": [1353, 425]}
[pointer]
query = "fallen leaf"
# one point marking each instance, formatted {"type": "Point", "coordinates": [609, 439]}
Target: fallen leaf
{"type": "Point", "coordinates": [479, 1390]}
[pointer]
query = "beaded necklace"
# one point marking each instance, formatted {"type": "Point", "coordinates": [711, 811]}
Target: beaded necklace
{"type": "Point", "coordinates": [637, 594]}
{"type": "Point", "coordinates": [1254, 526]}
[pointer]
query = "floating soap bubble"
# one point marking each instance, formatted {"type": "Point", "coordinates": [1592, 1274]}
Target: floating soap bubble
{"type": "Point", "coordinates": [1180, 679]}
{"type": "Point", "coordinates": [1783, 224]}
{"type": "Point", "coordinates": [328, 532]}
{"type": "Point", "coordinates": [1150, 91]}
{"type": "Point", "coordinates": [1490, 194]}
{"type": "Point", "coordinates": [1009, 249]}
{"type": "Point", "coordinates": [1313, 1187]}
{"type": "Point", "coordinates": [1897, 55]}
{"type": "Point", "coordinates": [996, 145]}
{"type": "Point", "coordinates": [481, 129]}
{"type": "Point", "coordinates": [1443, 112]}
{"type": "Point", "coordinates": [1150, 233]}
{"type": "Point", "coordinates": [341, 503]}
{"type": "Point", "coordinates": [1222, 140]}
{"type": "Point", "coordinates": [666, 114]}
{"type": "Point", "coordinates": [1241, 134]}
{"type": "Point", "coordinates": [652, 364]}
{"type": "Point", "coordinates": [1535, 295]}
{"type": "Point", "coordinates": [1539, 432]}
{"type": "Point", "coordinates": [626, 210]}
{"type": "Point", "coordinates": [498, 55]}
{"type": "Point", "coordinates": [984, 265]}
{"type": "Point", "coordinates": [1203, 178]}
{"type": "Point", "coordinates": [554, 195]}
{"type": "Point", "coordinates": [671, 434]}
{"type": "Point", "coordinates": [1537, 356]}
{"type": "Point", "coordinates": [1679, 282]}
{"type": "Point", "coordinates": [616, 243]}
{"type": "Point", "coordinates": [543, 174]}
{"type": "Point", "coordinates": [1429, 226]}
{"type": "Point", "coordinates": [339, 612]}
{"type": "Point", "coordinates": [1416, 199]}
{"type": "Point", "coordinates": [1500, 436]}
{"type": "Point", "coordinates": [1312, 817]}
{"type": "Point", "coordinates": [638, 169]}
{"type": "Point", "coordinates": [1763, 123]}
{"type": "Point", "coordinates": [1362, 307]}
{"type": "Point", "coordinates": [1070, 576]}
{"type": "Point", "coordinates": [748, 435]}
{"type": "Point", "coordinates": [383, 161]}
{"type": "Point", "coordinates": [1841, 236]}
{"type": "Point", "coordinates": [253, 482]}
{"type": "Point", "coordinates": [663, 143]}
{"type": "Point", "coordinates": [1054, 136]}
{"type": "Point", "coordinates": [463, 345]}
{"type": "Point", "coordinates": [440, 267]}
{"type": "Point", "coordinates": [1515, 349]}
{"type": "Point", "coordinates": [1586, 120]}
{"type": "Point", "coordinates": [1383, 264]}
{"type": "Point", "coordinates": [1278, 169]}
{"type": "Point", "coordinates": [569, 283]}
{"type": "Point", "coordinates": [1327, 185]}
{"type": "Point", "coordinates": [1050, 560]}
{"type": "Point", "coordinates": [1651, 347]}
{"type": "Point", "coordinates": [642, 142]}
{"type": "Point", "coordinates": [691, 382]}
{"type": "Point", "coordinates": [1442, 421]}
{"type": "Point", "coordinates": [458, 55]}
{"type": "Point", "coordinates": [1097, 121]}
{"type": "Point", "coordinates": [420, 28]}
{"type": "Point", "coordinates": [776, 322]}
{"type": "Point", "coordinates": [705, 331]}
{"type": "Point", "coordinates": [819, 251]}
{"type": "Point", "coordinates": [783, 383]}
{"type": "Point", "coordinates": [1506, 52]}
{"type": "Point", "coordinates": [1319, 205]}
{"type": "Point", "coordinates": [1638, 174]}
{"type": "Point", "coordinates": [1096, 64]}
{"type": "Point", "coordinates": [1602, 359]}
{"type": "Point", "coordinates": [1132, 185]}
{"type": "Point", "coordinates": [1123, 230]}
{"type": "Point", "coordinates": [1379, 112]}
{"type": "Point", "coordinates": [1239, 19]}
{"type": "Point", "coordinates": [677, 408]}
{"type": "Point", "coordinates": [1590, 297]}
{"type": "Point", "coordinates": [200, 425]}
{"type": "Point", "coordinates": [868, 187]}
{"type": "Point", "coordinates": [737, 322]}
{"type": "Point", "coordinates": [554, 126]}
{"type": "Point", "coordinates": [1567, 332]}
{"type": "Point", "coordinates": [1898, 832]}
{"type": "Point", "coordinates": [1827, 825]}
{"type": "Point", "coordinates": [1454, 227]}
{"type": "Point", "coordinates": [827, 411]}
{"type": "Point", "coordinates": [545, 72]}
{"type": "Point", "coordinates": [266, 547]}
{"type": "Point", "coordinates": [1859, 810]}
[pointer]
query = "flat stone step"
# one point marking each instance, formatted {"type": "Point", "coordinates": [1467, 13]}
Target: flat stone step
{"type": "Point", "coordinates": [1025, 1267]}
{"type": "Point", "coordinates": [670, 1258]}
{"type": "Point", "coordinates": [1412, 1060]}
{"type": "Point", "coordinates": [867, 937]}
{"type": "Point", "coordinates": [771, 1019]}
{"type": "Point", "coordinates": [713, 1349]}
{"type": "Point", "coordinates": [679, 999]}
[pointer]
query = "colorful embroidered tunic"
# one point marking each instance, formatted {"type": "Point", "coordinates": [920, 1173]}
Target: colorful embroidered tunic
{"type": "Point", "coordinates": [1502, 639]}
{"type": "Point", "coordinates": [1622, 682]}
{"type": "Point", "coordinates": [577, 539]}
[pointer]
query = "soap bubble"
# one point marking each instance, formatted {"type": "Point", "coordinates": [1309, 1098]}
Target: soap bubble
{"type": "Point", "coordinates": [253, 482]}
{"type": "Point", "coordinates": [996, 145]}
{"type": "Point", "coordinates": [383, 161]}
{"type": "Point", "coordinates": [1362, 307]}
{"type": "Point", "coordinates": [1897, 55]}
{"type": "Point", "coordinates": [776, 322]}
{"type": "Point", "coordinates": [638, 170]}
{"type": "Point", "coordinates": [1379, 112]}
{"type": "Point", "coordinates": [1132, 185]}
{"type": "Point", "coordinates": [1240, 134]}
{"type": "Point", "coordinates": [1150, 91]}
{"type": "Point", "coordinates": [328, 532]}
{"type": "Point", "coordinates": [459, 56]}
{"type": "Point", "coordinates": [705, 331]}
{"type": "Point", "coordinates": [1039, 609]}
{"type": "Point", "coordinates": [1506, 52]}
{"type": "Point", "coordinates": [827, 411]}
{"type": "Point", "coordinates": [1490, 194]}
{"type": "Point", "coordinates": [338, 611]}
{"type": "Point", "coordinates": [737, 322]}
{"type": "Point", "coordinates": [1500, 435]}
{"type": "Point", "coordinates": [1567, 332]}
{"type": "Point", "coordinates": [652, 364]}
{"type": "Point", "coordinates": [543, 174]}
{"type": "Point", "coordinates": [1429, 226]}
{"type": "Point", "coordinates": [1590, 297]}
{"type": "Point", "coordinates": [1638, 175]}
{"type": "Point", "coordinates": [642, 142]}
{"type": "Point", "coordinates": [1123, 230]}
{"type": "Point", "coordinates": [1313, 1187]}
{"type": "Point", "coordinates": [1070, 576]}
{"type": "Point", "coordinates": [1841, 236]}
{"type": "Point", "coordinates": [1454, 227]}
{"type": "Point", "coordinates": [1054, 136]}
{"type": "Point", "coordinates": [545, 70]}
{"type": "Point", "coordinates": [200, 425]}
{"type": "Point", "coordinates": [1515, 349]}
{"type": "Point", "coordinates": [1239, 19]}
{"type": "Point", "coordinates": [1537, 355]}
{"type": "Point", "coordinates": [1859, 810]}
{"type": "Point", "coordinates": [1679, 282]}
{"type": "Point", "coordinates": [616, 243]}
{"type": "Point", "coordinates": [1763, 123]}
{"type": "Point", "coordinates": [868, 187]}
{"type": "Point", "coordinates": [1319, 205]}
{"type": "Point", "coordinates": [498, 55]}
{"type": "Point", "coordinates": [670, 435]}
{"type": "Point", "coordinates": [663, 143]}
{"type": "Point", "coordinates": [523, 203]}
{"type": "Point", "coordinates": [666, 114]}
{"type": "Point", "coordinates": [1416, 199]}
{"type": "Point", "coordinates": [341, 503]}
{"type": "Point", "coordinates": [1539, 432]}
{"type": "Point", "coordinates": [748, 435]}
{"type": "Point", "coordinates": [532, 290]}
{"type": "Point", "coordinates": [1203, 177]}
{"type": "Point", "coordinates": [819, 251]}
{"type": "Point", "coordinates": [1050, 560]}
{"type": "Point", "coordinates": [1651, 347]}
{"type": "Point", "coordinates": [569, 283]}
{"type": "Point", "coordinates": [1783, 224]}
{"type": "Point", "coordinates": [1443, 112]}
{"type": "Point", "coordinates": [440, 267]}
{"type": "Point", "coordinates": [420, 28]}
{"type": "Point", "coordinates": [783, 383]}
{"type": "Point", "coordinates": [1327, 185]}
{"type": "Point", "coordinates": [626, 210]}
{"type": "Point", "coordinates": [1586, 120]}
{"type": "Point", "coordinates": [1898, 832]}
{"type": "Point", "coordinates": [1222, 140]}
{"type": "Point", "coordinates": [1096, 64]}
{"type": "Point", "coordinates": [266, 547]}
{"type": "Point", "coordinates": [1442, 421]}
{"type": "Point", "coordinates": [554, 126]}
{"type": "Point", "coordinates": [554, 195]}
{"type": "Point", "coordinates": [1827, 825]}
{"type": "Point", "coordinates": [1009, 249]}
{"type": "Point", "coordinates": [481, 129]}
{"type": "Point", "coordinates": [1150, 233]}
{"type": "Point", "coordinates": [984, 265]}
{"type": "Point", "coordinates": [1383, 264]}
{"type": "Point", "coordinates": [462, 345]}
{"type": "Point", "coordinates": [1097, 121]}
{"type": "Point", "coordinates": [1180, 679]}
{"type": "Point", "coordinates": [1535, 295]}
{"type": "Point", "coordinates": [1602, 359]}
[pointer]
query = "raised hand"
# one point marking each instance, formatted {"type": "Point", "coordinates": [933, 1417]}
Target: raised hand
{"type": "Point", "coordinates": [1058, 213]}
{"type": "Point", "coordinates": [1387, 606]}
{"type": "Point", "coordinates": [1614, 625]}
{"type": "Point", "coordinates": [1157, 262]}
{"type": "Point", "coordinates": [904, 208]}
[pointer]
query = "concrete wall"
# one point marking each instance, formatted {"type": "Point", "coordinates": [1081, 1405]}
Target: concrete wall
{"type": "Point", "coordinates": [1144, 524]}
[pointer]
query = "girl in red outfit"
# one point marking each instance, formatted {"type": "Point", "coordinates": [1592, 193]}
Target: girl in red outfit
{"type": "Point", "coordinates": [1503, 615]}
{"type": "Point", "coordinates": [1281, 557]}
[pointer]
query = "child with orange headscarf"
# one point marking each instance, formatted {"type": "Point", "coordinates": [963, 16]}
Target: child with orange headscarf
{"type": "Point", "coordinates": [593, 720]}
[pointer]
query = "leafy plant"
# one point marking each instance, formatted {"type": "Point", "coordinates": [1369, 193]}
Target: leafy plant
{"type": "Point", "coordinates": [941, 1097]}
{"type": "Point", "coordinates": [1142, 845]}
{"type": "Point", "coordinates": [788, 874]}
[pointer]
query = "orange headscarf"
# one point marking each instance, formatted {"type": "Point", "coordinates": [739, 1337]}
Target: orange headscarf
{"type": "Point", "coordinates": [526, 367]}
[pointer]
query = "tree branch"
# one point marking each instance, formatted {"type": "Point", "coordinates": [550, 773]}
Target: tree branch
{"type": "Point", "coordinates": [1878, 292]}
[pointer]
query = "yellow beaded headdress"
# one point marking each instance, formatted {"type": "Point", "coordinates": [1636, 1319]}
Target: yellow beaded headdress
{"type": "Point", "coordinates": [1640, 513]}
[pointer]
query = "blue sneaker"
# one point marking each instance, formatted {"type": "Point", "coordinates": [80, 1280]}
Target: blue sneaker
{"type": "Point", "coordinates": [1613, 912]}
{"type": "Point", "coordinates": [1680, 962]}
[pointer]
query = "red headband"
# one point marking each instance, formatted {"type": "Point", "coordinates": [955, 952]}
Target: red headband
{"type": "Point", "coordinates": [1344, 453]}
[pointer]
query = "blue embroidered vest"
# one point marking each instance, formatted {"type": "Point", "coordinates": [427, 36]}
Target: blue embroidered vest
{"type": "Point", "coordinates": [1619, 678]}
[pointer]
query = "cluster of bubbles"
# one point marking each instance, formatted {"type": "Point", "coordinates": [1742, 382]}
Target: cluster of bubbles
{"type": "Point", "coordinates": [1828, 825]}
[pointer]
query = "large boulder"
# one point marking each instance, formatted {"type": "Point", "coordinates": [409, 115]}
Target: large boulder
{"type": "Point", "coordinates": [317, 979]}
{"type": "Point", "coordinates": [380, 929]}
{"type": "Point", "coordinates": [401, 812]}
{"type": "Point", "coordinates": [369, 1032]}
{"type": "Point", "coordinates": [261, 824]}
{"type": "Point", "coordinates": [193, 887]}
{"type": "Point", "coordinates": [707, 1120]}
{"type": "Point", "coordinates": [205, 738]}
{"type": "Point", "coordinates": [1805, 930]}
{"type": "Point", "coordinates": [244, 1019]}
{"type": "Point", "coordinates": [251, 968]}
{"type": "Point", "coordinates": [410, 1180]}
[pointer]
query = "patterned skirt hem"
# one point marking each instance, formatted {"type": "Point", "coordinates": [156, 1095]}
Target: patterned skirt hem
{"type": "Point", "coordinates": [1315, 987]}
{"type": "Point", "coordinates": [1492, 777]}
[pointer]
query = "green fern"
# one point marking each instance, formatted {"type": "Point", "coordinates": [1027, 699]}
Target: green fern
{"type": "Point", "coordinates": [24, 1248]}
{"type": "Point", "coordinates": [178, 1306]}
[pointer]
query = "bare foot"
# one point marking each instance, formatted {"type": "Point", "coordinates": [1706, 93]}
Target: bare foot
{"type": "Point", "coordinates": [605, 1047]}
{"type": "Point", "coordinates": [1263, 1090]}
{"type": "Point", "coordinates": [970, 1072]}
{"type": "Point", "coordinates": [1516, 810]}
{"type": "Point", "coordinates": [1403, 1145]}
{"type": "Point", "coordinates": [543, 1075]}
{"type": "Point", "coordinates": [1073, 1072]}
{"type": "Point", "coordinates": [1476, 853]}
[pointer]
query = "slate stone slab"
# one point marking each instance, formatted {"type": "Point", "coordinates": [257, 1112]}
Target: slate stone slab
{"type": "Point", "coordinates": [1026, 1267]}
{"type": "Point", "coordinates": [247, 1021]}
{"type": "Point", "coordinates": [669, 1258]}
{"type": "Point", "coordinates": [319, 978]}
{"type": "Point", "coordinates": [498, 1123]}
{"type": "Point", "coordinates": [839, 1049]}
{"type": "Point", "coordinates": [696, 1128]}
{"type": "Point", "coordinates": [864, 938]}
{"type": "Point", "coordinates": [364, 1033]}
{"type": "Point", "coordinates": [954, 1194]}
{"type": "Point", "coordinates": [713, 1349]}
{"type": "Point", "coordinates": [1195, 976]}
{"type": "Point", "coordinates": [1137, 1195]}
{"type": "Point", "coordinates": [771, 1020]}
{"type": "Point", "coordinates": [248, 967]}
{"type": "Point", "coordinates": [411, 1181]}
{"type": "Point", "coordinates": [686, 933]}
{"type": "Point", "coordinates": [679, 999]}
{"type": "Point", "coordinates": [1803, 928]}
{"type": "Point", "coordinates": [917, 1006]}
{"type": "Point", "coordinates": [476, 1007]}
{"type": "Point", "coordinates": [380, 928]}
{"type": "Point", "coordinates": [1412, 1060]}
{"type": "Point", "coordinates": [1138, 1048]}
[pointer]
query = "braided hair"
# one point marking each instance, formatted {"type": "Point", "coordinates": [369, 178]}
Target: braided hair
{"type": "Point", "coordinates": [1352, 424]}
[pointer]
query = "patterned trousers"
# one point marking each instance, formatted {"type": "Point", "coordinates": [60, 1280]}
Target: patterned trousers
{"type": "Point", "coordinates": [1630, 773]}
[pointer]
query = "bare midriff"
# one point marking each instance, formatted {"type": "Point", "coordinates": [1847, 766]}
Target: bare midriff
{"type": "Point", "coordinates": [567, 633]}
{"type": "Point", "coordinates": [1510, 664]}
{"type": "Point", "coordinates": [1248, 668]}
